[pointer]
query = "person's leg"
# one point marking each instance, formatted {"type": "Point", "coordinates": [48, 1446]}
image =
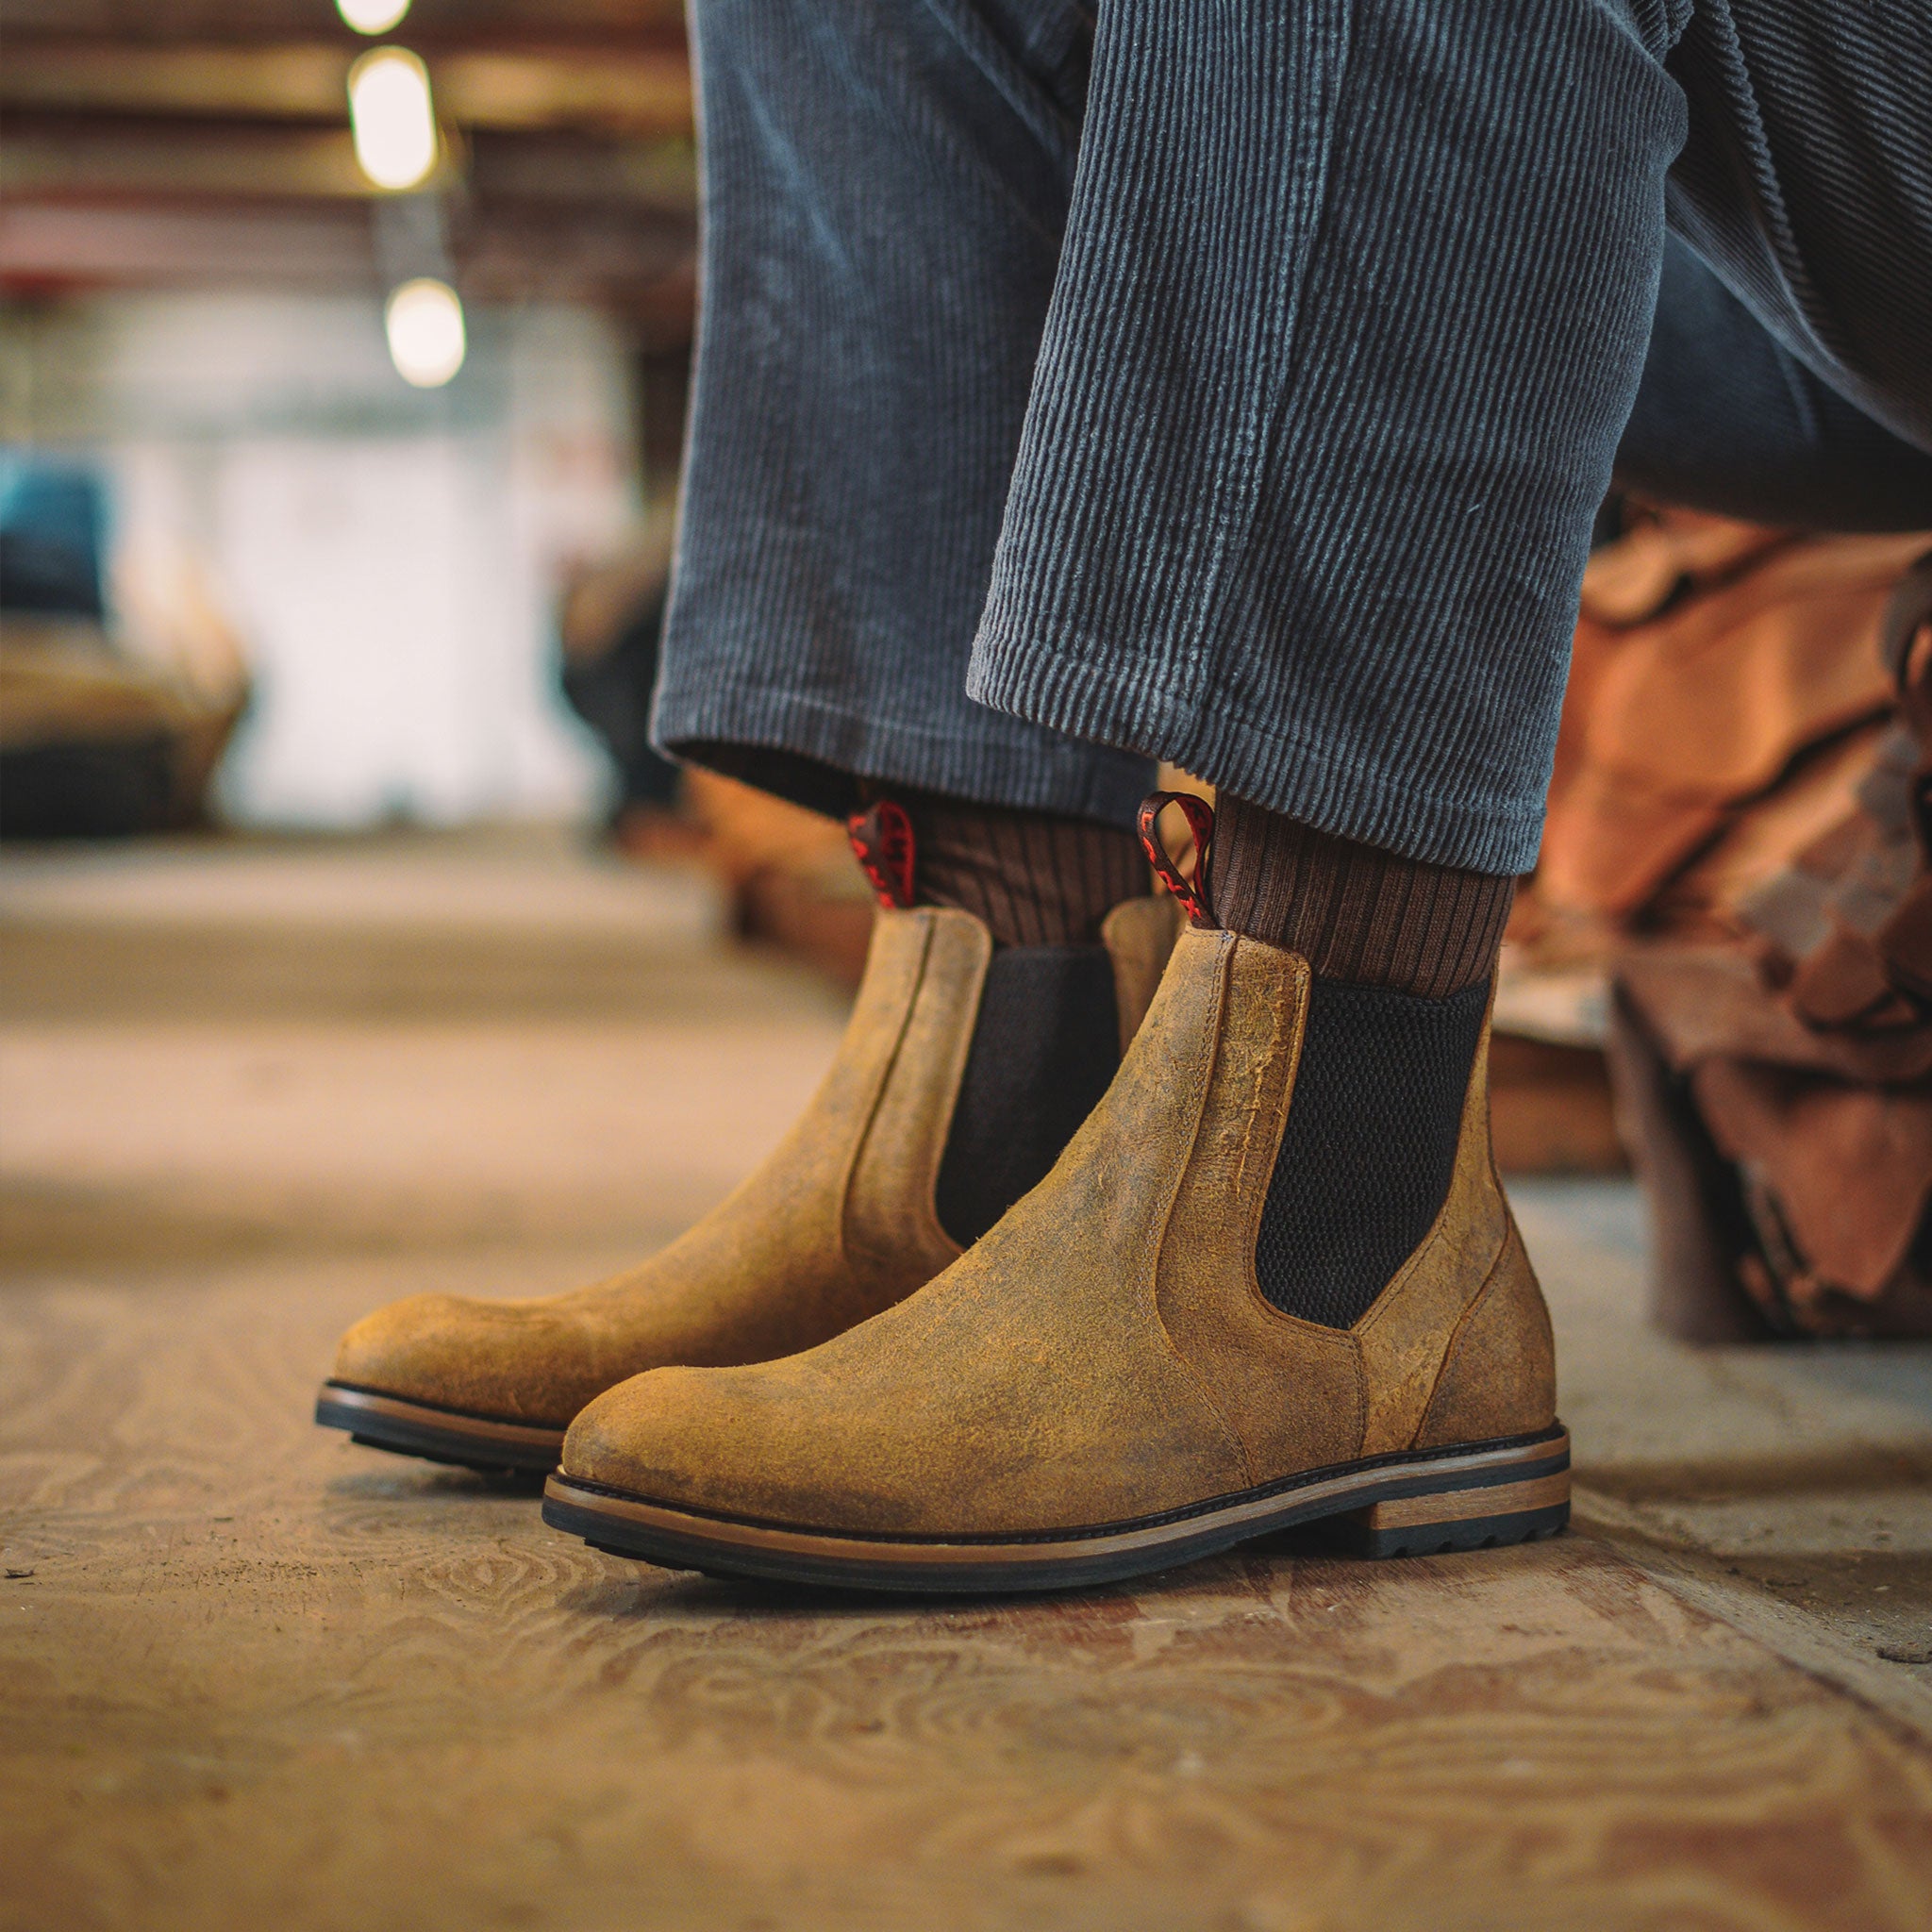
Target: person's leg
{"type": "Point", "coordinates": [1307, 488]}
{"type": "Point", "coordinates": [886, 184]}
{"type": "Point", "coordinates": [1806, 183]}
{"type": "Point", "coordinates": [1352, 307]}
{"type": "Point", "coordinates": [885, 191]}
{"type": "Point", "coordinates": [1352, 310]}
{"type": "Point", "coordinates": [1728, 420]}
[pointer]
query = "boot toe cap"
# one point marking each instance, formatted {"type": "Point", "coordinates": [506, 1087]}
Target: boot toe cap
{"type": "Point", "coordinates": [492, 1358]}
{"type": "Point", "coordinates": [807, 1445]}
{"type": "Point", "coordinates": [738, 1442]}
{"type": "Point", "coordinates": [666, 1435]}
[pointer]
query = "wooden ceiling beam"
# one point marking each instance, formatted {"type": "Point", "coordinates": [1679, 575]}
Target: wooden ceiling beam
{"type": "Point", "coordinates": [637, 264]}
{"type": "Point", "coordinates": [644, 92]}
{"type": "Point", "coordinates": [638, 91]}
{"type": "Point", "coordinates": [50, 155]}
{"type": "Point", "coordinates": [56, 157]}
{"type": "Point", "coordinates": [429, 23]}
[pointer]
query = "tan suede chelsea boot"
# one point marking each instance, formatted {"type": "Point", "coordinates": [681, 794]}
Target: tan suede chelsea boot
{"type": "Point", "coordinates": [837, 1224]}
{"type": "Point", "coordinates": [1098, 1388]}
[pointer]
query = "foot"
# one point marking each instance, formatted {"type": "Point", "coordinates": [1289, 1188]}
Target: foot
{"type": "Point", "coordinates": [1100, 1388]}
{"type": "Point", "coordinates": [848, 1215]}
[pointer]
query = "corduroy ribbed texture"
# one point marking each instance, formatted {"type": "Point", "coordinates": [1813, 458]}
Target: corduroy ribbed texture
{"type": "Point", "coordinates": [1353, 912]}
{"type": "Point", "coordinates": [1728, 420]}
{"type": "Point", "coordinates": [1806, 183]}
{"type": "Point", "coordinates": [1351, 310]}
{"type": "Point", "coordinates": [884, 188]}
{"type": "Point", "coordinates": [1307, 478]}
{"type": "Point", "coordinates": [1034, 879]}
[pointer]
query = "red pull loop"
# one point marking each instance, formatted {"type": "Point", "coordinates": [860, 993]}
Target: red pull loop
{"type": "Point", "coordinates": [882, 842]}
{"type": "Point", "coordinates": [1192, 892]}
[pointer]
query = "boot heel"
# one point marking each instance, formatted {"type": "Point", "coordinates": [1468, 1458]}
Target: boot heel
{"type": "Point", "coordinates": [1469, 1519]}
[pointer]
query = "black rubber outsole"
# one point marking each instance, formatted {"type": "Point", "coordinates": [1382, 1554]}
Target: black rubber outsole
{"type": "Point", "coordinates": [1352, 1523]}
{"type": "Point", "coordinates": [1479, 1533]}
{"type": "Point", "coordinates": [455, 1442]}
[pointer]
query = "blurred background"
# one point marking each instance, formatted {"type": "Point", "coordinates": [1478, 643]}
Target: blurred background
{"type": "Point", "coordinates": [353, 942]}
{"type": "Point", "coordinates": [338, 347]}
{"type": "Point", "coordinates": [345, 352]}
{"type": "Point", "coordinates": [344, 907]}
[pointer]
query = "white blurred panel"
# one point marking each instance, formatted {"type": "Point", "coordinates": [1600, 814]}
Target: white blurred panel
{"type": "Point", "coordinates": [347, 562]}
{"type": "Point", "coordinates": [388, 556]}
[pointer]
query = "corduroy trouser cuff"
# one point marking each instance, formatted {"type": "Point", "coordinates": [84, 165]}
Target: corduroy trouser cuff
{"type": "Point", "coordinates": [1237, 385]}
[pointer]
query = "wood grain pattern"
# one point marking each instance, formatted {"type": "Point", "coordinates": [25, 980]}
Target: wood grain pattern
{"type": "Point", "coordinates": [311, 1134]}
{"type": "Point", "coordinates": [264, 1676]}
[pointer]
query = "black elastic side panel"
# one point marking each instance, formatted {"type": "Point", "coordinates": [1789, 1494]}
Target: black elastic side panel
{"type": "Point", "coordinates": [1369, 1146]}
{"type": "Point", "coordinates": [1045, 1046]}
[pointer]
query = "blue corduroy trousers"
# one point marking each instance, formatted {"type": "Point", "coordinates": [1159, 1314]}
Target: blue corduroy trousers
{"type": "Point", "coordinates": [1236, 382]}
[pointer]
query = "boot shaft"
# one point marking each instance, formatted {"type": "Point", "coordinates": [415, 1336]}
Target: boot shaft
{"type": "Point", "coordinates": [1458, 1339]}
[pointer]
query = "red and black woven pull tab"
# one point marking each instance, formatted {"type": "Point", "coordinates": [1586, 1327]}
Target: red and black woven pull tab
{"type": "Point", "coordinates": [1192, 892]}
{"type": "Point", "coordinates": [882, 842]}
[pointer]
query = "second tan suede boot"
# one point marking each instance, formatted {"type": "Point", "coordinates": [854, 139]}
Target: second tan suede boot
{"type": "Point", "coordinates": [838, 1223]}
{"type": "Point", "coordinates": [1099, 1388]}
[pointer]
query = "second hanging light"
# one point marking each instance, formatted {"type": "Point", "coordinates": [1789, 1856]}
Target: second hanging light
{"type": "Point", "coordinates": [391, 117]}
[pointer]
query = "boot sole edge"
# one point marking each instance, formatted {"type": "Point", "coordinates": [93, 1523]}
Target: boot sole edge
{"type": "Point", "coordinates": [1479, 1496]}
{"type": "Point", "coordinates": [486, 1444]}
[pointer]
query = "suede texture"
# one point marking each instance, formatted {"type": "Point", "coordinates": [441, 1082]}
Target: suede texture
{"type": "Point", "coordinates": [1240, 1345]}
{"type": "Point", "coordinates": [886, 1238]}
{"type": "Point", "coordinates": [804, 1248]}
{"type": "Point", "coordinates": [1103, 1353]}
{"type": "Point", "coordinates": [1501, 1371]}
{"type": "Point", "coordinates": [1404, 1336]}
{"type": "Point", "coordinates": [838, 1223]}
{"type": "Point", "coordinates": [1139, 935]}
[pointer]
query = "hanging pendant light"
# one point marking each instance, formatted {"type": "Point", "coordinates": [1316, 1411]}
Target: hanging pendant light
{"type": "Point", "coordinates": [423, 320]}
{"type": "Point", "coordinates": [391, 117]}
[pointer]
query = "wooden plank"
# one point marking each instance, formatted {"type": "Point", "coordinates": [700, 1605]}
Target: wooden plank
{"type": "Point", "coordinates": [304, 78]}
{"type": "Point", "coordinates": [427, 21]}
{"type": "Point", "coordinates": [81, 155]}
{"type": "Point", "coordinates": [261, 1676]}
{"type": "Point", "coordinates": [633, 90]}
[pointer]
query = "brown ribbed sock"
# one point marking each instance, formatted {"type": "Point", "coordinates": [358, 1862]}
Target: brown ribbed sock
{"type": "Point", "coordinates": [1046, 1039]}
{"type": "Point", "coordinates": [1036, 879]}
{"type": "Point", "coordinates": [1353, 912]}
{"type": "Point", "coordinates": [1403, 954]}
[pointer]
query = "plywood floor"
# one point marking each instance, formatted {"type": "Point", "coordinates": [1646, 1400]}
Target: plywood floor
{"type": "Point", "coordinates": [260, 1676]}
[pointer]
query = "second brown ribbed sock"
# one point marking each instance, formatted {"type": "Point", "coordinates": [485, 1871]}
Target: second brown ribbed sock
{"type": "Point", "coordinates": [1353, 912]}
{"type": "Point", "coordinates": [1046, 1039]}
{"type": "Point", "coordinates": [1035, 878]}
